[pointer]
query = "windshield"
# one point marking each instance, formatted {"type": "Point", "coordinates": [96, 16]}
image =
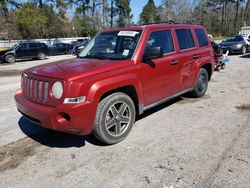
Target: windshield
{"type": "Point", "coordinates": [14, 47]}
{"type": "Point", "coordinates": [114, 45]}
{"type": "Point", "coordinates": [234, 38]}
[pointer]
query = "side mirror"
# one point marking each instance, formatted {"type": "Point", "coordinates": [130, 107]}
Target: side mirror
{"type": "Point", "coordinates": [152, 53]}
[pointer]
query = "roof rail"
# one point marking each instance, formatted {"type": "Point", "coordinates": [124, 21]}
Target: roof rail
{"type": "Point", "coordinates": [168, 22]}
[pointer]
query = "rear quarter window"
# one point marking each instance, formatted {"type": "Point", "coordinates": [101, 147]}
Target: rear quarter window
{"type": "Point", "coordinates": [185, 39]}
{"type": "Point", "coordinates": [201, 36]}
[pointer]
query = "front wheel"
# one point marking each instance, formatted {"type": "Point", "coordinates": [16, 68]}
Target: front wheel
{"type": "Point", "coordinates": [115, 117]}
{"type": "Point", "coordinates": [41, 56]}
{"type": "Point", "coordinates": [201, 84]}
{"type": "Point", "coordinates": [10, 58]}
{"type": "Point", "coordinates": [243, 50]}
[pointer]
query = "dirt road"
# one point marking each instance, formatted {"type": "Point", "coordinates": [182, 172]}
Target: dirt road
{"type": "Point", "coordinates": [185, 142]}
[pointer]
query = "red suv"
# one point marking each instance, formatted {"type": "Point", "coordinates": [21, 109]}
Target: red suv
{"type": "Point", "coordinates": [120, 74]}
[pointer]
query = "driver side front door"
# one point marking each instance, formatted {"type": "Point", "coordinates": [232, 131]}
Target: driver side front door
{"type": "Point", "coordinates": [160, 75]}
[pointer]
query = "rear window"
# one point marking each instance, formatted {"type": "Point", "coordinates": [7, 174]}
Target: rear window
{"type": "Point", "coordinates": [161, 39]}
{"type": "Point", "coordinates": [201, 36]}
{"type": "Point", "coordinates": [42, 45]}
{"type": "Point", "coordinates": [185, 39]}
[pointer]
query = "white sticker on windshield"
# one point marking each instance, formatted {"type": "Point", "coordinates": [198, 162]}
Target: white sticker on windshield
{"type": "Point", "coordinates": [128, 33]}
{"type": "Point", "coordinates": [125, 52]}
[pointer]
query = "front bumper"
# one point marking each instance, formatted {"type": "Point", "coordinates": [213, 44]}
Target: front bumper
{"type": "Point", "coordinates": [71, 118]}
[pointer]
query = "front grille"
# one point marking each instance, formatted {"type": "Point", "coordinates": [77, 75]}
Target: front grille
{"type": "Point", "coordinates": [35, 89]}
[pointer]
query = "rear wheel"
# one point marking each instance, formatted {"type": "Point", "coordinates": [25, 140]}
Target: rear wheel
{"type": "Point", "coordinates": [114, 118]}
{"type": "Point", "coordinates": [10, 58]}
{"type": "Point", "coordinates": [223, 66]}
{"type": "Point", "coordinates": [41, 55]}
{"type": "Point", "coordinates": [218, 68]}
{"type": "Point", "coordinates": [201, 84]}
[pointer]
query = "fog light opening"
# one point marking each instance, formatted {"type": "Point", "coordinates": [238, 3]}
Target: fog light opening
{"type": "Point", "coordinates": [63, 118]}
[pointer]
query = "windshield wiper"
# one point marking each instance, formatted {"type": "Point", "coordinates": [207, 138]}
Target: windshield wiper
{"type": "Point", "coordinates": [95, 56]}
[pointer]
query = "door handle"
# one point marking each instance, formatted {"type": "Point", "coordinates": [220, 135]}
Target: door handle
{"type": "Point", "coordinates": [174, 62]}
{"type": "Point", "coordinates": [196, 56]}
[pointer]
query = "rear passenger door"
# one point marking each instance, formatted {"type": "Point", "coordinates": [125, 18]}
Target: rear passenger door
{"type": "Point", "coordinates": [33, 49]}
{"type": "Point", "coordinates": [189, 57]}
{"type": "Point", "coordinates": [160, 75]}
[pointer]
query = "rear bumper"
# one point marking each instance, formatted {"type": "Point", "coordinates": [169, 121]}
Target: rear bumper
{"type": "Point", "coordinates": [71, 118]}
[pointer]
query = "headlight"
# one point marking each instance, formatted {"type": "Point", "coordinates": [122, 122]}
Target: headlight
{"type": "Point", "coordinates": [238, 45]}
{"type": "Point", "coordinates": [57, 90]}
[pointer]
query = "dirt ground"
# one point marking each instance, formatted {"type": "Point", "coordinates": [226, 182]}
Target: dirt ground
{"type": "Point", "coordinates": [185, 142]}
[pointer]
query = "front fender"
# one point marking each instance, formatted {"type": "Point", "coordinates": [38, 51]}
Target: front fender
{"type": "Point", "coordinates": [103, 86]}
{"type": "Point", "coordinates": [10, 52]}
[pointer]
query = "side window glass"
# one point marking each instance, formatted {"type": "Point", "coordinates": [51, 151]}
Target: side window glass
{"type": "Point", "coordinates": [201, 36]}
{"type": "Point", "coordinates": [33, 45]}
{"type": "Point", "coordinates": [161, 39]}
{"type": "Point", "coordinates": [23, 46]}
{"type": "Point", "coordinates": [185, 39]}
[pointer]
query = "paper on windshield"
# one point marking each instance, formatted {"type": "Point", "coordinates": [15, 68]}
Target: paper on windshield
{"type": "Point", "coordinates": [128, 33]}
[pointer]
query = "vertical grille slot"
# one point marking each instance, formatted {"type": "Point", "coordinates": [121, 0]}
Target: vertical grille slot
{"type": "Point", "coordinates": [31, 88]}
{"type": "Point", "coordinates": [27, 87]}
{"type": "Point", "coordinates": [40, 90]}
{"type": "Point", "coordinates": [35, 89]}
{"type": "Point", "coordinates": [46, 91]}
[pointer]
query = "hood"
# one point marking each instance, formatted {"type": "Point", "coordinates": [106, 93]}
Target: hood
{"type": "Point", "coordinates": [73, 69]}
{"type": "Point", "coordinates": [224, 43]}
{"type": "Point", "coordinates": [2, 52]}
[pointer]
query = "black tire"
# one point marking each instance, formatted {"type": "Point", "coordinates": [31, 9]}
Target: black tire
{"type": "Point", "coordinates": [223, 66]}
{"type": "Point", "coordinates": [10, 58]}
{"type": "Point", "coordinates": [201, 84]}
{"type": "Point", "coordinates": [41, 56]}
{"type": "Point", "coordinates": [243, 50]}
{"type": "Point", "coordinates": [115, 117]}
{"type": "Point", "coordinates": [218, 68]}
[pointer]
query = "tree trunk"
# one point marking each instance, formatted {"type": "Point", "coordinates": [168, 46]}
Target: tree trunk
{"type": "Point", "coordinates": [236, 16]}
{"type": "Point", "coordinates": [104, 6]}
{"type": "Point", "coordinates": [112, 13]}
{"type": "Point", "coordinates": [246, 11]}
{"type": "Point", "coordinates": [40, 2]}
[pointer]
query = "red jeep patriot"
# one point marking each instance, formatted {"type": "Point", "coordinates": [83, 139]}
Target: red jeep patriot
{"type": "Point", "coordinates": [120, 74]}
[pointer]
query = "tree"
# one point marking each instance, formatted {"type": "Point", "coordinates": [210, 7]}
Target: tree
{"type": "Point", "coordinates": [124, 13]}
{"type": "Point", "coordinates": [30, 21]}
{"type": "Point", "coordinates": [149, 13]}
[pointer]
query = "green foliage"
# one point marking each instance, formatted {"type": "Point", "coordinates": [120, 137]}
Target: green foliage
{"type": "Point", "coordinates": [149, 13]}
{"type": "Point", "coordinates": [124, 13]}
{"type": "Point", "coordinates": [27, 19]}
{"type": "Point", "coordinates": [30, 21]}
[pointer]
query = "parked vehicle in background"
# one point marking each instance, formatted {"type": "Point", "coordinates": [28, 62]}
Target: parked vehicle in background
{"type": "Point", "coordinates": [60, 48]}
{"type": "Point", "coordinates": [235, 44]}
{"type": "Point", "coordinates": [80, 46]}
{"type": "Point", "coordinates": [120, 74]}
{"type": "Point", "coordinates": [23, 51]}
{"type": "Point", "coordinates": [247, 39]}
